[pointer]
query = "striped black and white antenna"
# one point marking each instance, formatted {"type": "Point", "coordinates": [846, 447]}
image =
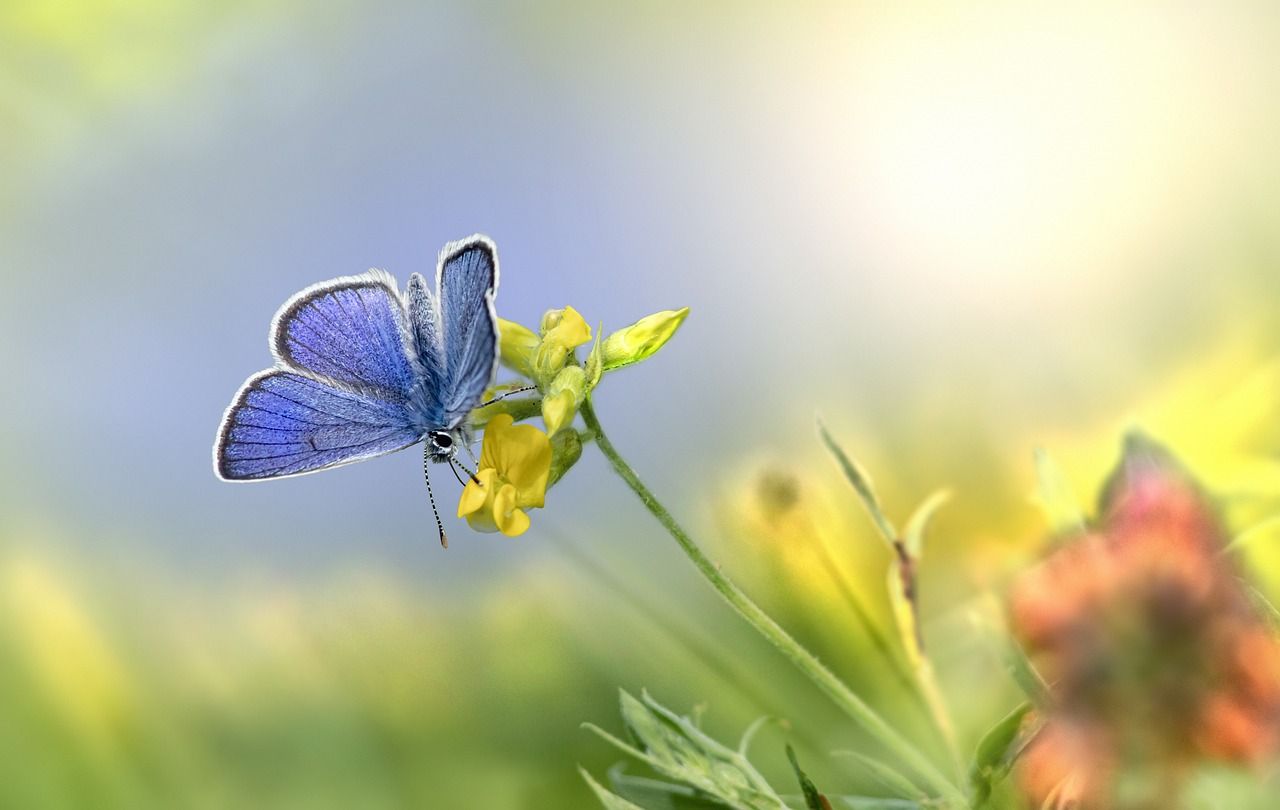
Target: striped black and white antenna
{"type": "Point", "coordinates": [426, 462]}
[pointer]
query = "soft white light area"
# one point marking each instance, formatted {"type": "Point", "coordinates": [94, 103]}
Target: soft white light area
{"type": "Point", "coordinates": [1001, 150]}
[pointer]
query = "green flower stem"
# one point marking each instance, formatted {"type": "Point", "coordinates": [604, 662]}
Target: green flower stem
{"type": "Point", "coordinates": [844, 697]}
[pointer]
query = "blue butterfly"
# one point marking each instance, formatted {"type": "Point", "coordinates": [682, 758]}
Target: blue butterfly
{"type": "Point", "coordinates": [362, 371]}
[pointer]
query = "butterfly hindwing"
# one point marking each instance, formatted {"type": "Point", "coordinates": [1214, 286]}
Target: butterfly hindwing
{"type": "Point", "coordinates": [467, 279]}
{"type": "Point", "coordinates": [424, 324]}
{"type": "Point", "coordinates": [282, 423]}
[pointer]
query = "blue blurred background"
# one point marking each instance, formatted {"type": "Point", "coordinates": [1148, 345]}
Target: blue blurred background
{"type": "Point", "coordinates": [956, 233]}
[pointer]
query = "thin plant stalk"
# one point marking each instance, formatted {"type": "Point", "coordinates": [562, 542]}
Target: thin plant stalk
{"type": "Point", "coordinates": [858, 710]}
{"type": "Point", "coordinates": [684, 637]}
{"type": "Point", "coordinates": [918, 680]}
{"type": "Point", "coordinates": [904, 570]}
{"type": "Point", "coordinates": [877, 638]}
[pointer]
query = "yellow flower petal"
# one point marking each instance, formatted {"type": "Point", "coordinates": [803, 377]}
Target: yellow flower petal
{"type": "Point", "coordinates": [524, 460]}
{"type": "Point", "coordinates": [570, 331]}
{"type": "Point", "coordinates": [510, 520]}
{"type": "Point", "coordinates": [517, 524]}
{"type": "Point", "coordinates": [475, 494]}
{"type": "Point", "coordinates": [493, 438]}
{"type": "Point", "coordinates": [482, 521]}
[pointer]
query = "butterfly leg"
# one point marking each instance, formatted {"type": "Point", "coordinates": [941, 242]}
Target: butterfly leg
{"type": "Point", "coordinates": [470, 473]}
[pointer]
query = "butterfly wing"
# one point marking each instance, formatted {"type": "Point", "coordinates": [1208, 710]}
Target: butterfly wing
{"type": "Point", "coordinates": [424, 325]}
{"type": "Point", "coordinates": [344, 389]}
{"type": "Point", "coordinates": [467, 280]}
{"type": "Point", "coordinates": [284, 423]}
{"type": "Point", "coordinates": [351, 330]}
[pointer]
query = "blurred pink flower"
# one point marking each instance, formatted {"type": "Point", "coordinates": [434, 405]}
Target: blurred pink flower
{"type": "Point", "coordinates": [1155, 655]}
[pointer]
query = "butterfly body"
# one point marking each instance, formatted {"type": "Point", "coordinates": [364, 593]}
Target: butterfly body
{"type": "Point", "coordinates": [362, 370]}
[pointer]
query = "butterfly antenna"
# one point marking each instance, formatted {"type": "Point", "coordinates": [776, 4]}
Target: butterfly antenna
{"type": "Point", "coordinates": [506, 394]}
{"type": "Point", "coordinates": [426, 459]}
{"type": "Point", "coordinates": [469, 473]}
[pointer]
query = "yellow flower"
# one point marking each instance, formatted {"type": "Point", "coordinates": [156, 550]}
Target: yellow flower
{"type": "Point", "coordinates": [565, 327]}
{"type": "Point", "coordinates": [563, 330]}
{"type": "Point", "coordinates": [515, 462]}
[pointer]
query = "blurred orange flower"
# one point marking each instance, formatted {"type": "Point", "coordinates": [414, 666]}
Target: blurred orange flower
{"type": "Point", "coordinates": [1154, 653]}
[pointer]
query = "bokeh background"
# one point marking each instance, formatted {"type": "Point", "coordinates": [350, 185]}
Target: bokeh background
{"type": "Point", "coordinates": [956, 233]}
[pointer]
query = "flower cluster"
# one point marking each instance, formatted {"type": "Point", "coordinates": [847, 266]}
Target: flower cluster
{"type": "Point", "coordinates": [1156, 656]}
{"type": "Point", "coordinates": [519, 462]}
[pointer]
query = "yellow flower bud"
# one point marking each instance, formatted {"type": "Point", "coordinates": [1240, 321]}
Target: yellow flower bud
{"type": "Point", "coordinates": [564, 395]}
{"type": "Point", "coordinates": [642, 339]}
{"type": "Point", "coordinates": [558, 411]}
{"type": "Point", "coordinates": [565, 327]}
{"type": "Point", "coordinates": [563, 330]}
{"type": "Point", "coordinates": [516, 346]}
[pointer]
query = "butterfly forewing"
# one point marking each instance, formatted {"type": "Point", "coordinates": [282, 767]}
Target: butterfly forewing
{"type": "Point", "coordinates": [351, 330]}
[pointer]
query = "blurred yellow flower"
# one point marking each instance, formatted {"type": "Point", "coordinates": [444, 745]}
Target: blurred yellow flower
{"type": "Point", "coordinates": [515, 462]}
{"type": "Point", "coordinates": [54, 631]}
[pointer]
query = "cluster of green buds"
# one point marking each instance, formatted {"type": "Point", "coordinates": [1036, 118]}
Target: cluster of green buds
{"type": "Point", "coordinates": [557, 382]}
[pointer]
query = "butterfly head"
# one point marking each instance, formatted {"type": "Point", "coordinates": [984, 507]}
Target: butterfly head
{"type": "Point", "coordinates": [442, 445]}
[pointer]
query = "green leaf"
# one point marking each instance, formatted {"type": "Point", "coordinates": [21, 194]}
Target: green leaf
{"type": "Point", "coordinates": [1025, 675]}
{"type": "Point", "coordinates": [889, 777]}
{"type": "Point", "coordinates": [595, 360]}
{"type": "Point", "coordinates": [607, 799]}
{"type": "Point", "coordinates": [860, 480]}
{"type": "Point", "coordinates": [813, 800]}
{"type": "Point", "coordinates": [994, 756]}
{"type": "Point", "coordinates": [873, 803]}
{"type": "Point", "coordinates": [621, 745]}
{"type": "Point", "coordinates": [752, 730]}
{"type": "Point", "coordinates": [676, 748]}
{"type": "Point", "coordinates": [655, 794]}
{"type": "Point", "coordinates": [920, 520]}
{"type": "Point", "coordinates": [1055, 497]}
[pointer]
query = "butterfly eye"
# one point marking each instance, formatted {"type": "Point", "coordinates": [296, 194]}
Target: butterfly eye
{"type": "Point", "coordinates": [442, 441]}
